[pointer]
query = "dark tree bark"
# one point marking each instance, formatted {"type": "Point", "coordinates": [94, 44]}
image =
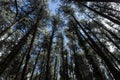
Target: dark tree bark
{"type": "Point", "coordinates": [48, 76]}
{"type": "Point", "coordinates": [96, 70]}
{"type": "Point", "coordinates": [24, 73]}
{"type": "Point", "coordinates": [14, 52]}
{"type": "Point", "coordinates": [98, 50]}
{"type": "Point", "coordinates": [16, 5]}
{"type": "Point", "coordinates": [103, 15]}
{"type": "Point", "coordinates": [14, 23]}
{"type": "Point", "coordinates": [78, 72]}
{"type": "Point", "coordinates": [102, 45]}
{"type": "Point", "coordinates": [112, 41]}
{"type": "Point", "coordinates": [107, 8]}
{"type": "Point", "coordinates": [111, 33]}
{"type": "Point", "coordinates": [35, 65]}
{"type": "Point", "coordinates": [16, 77]}
{"type": "Point", "coordinates": [55, 68]}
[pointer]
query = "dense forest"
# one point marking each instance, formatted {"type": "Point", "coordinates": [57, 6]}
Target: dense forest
{"type": "Point", "coordinates": [80, 40]}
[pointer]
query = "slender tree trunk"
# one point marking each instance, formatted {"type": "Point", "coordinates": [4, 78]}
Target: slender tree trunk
{"type": "Point", "coordinates": [96, 70]}
{"type": "Point", "coordinates": [103, 15]}
{"type": "Point", "coordinates": [14, 23]}
{"type": "Point", "coordinates": [24, 73]}
{"type": "Point", "coordinates": [102, 45]}
{"type": "Point", "coordinates": [42, 70]}
{"type": "Point", "coordinates": [100, 25]}
{"type": "Point", "coordinates": [107, 8]}
{"type": "Point", "coordinates": [10, 34]}
{"type": "Point", "coordinates": [97, 49]}
{"type": "Point", "coordinates": [112, 41]}
{"type": "Point", "coordinates": [55, 70]}
{"type": "Point", "coordinates": [35, 65]}
{"type": "Point", "coordinates": [78, 72]}
{"type": "Point", "coordinates": [97, 74]}
{"type": "Point", "coordinates": [16, 77]}
{"type": "Point", "coordinates": [14, 52]}
{"type": "Point", "coordinates": [111, 33]}
{"type": "Point", "coordinates": [62, 67]}
{"type": "Point", "coordinates": [48, 75]}
{"type": "Point", "coordinates": [16, 5]}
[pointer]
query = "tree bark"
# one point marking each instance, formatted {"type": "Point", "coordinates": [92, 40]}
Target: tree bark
{"type": "Point", "coordinates": [14, 52]}
{"type": "Point", "coordinates": [103, 15]}
{"type": "Point", "coordinates": [48, 76]}
{"type": "Point", "coordinates": [35, 65]}
{"type": "Point", "coordinates": [97, 49]}
{"type": "Point", "coordinates": [111, 33]}
{"type": "Point", "coordinates": [24, 73]}
{"type": "Point", "coordinates": [14, 23]}
{"type": "Point", "coordinates": [107, 8]}
{"type": "Point", "coordinates": [97, 74]}
{"type": "Point", "coordinates": [16, 77]}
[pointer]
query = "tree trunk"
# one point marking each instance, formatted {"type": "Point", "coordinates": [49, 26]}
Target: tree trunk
{"type": "Point", "coordinates": [107, 8]}
{"type": "Point", "coordinates": [111, 33]}
{"type": "Point", "coordinates": [14, 52]}
{"type": "Point", "coordinates": [24, 73]}
{"type": "Point", "coordinates": [16, 77]}
{"type": "Point", "coordinates": [97, 74]}
{"type": "Point", "coordinates": [112, 41]}
{"type": "Point", "coordinates": [35, 65]}
{"type": "Point", "coordinates": [48, 75]}
{"type": "Point", "coordinates": [102, 45]}
{"type": "Point", "coordinates": [55, 69]}
{"type": "Point", "coordinates": [14, 23]}
{"type": "Point", "coordinates": [103, 15]}
{"type": "Point", "coordinates": [97, 49]}
{"type": "Point", "coordinates": [78, 72]}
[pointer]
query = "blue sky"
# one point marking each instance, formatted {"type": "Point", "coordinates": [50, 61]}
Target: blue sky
{"type": "Point", "coordinates": [53, 5]}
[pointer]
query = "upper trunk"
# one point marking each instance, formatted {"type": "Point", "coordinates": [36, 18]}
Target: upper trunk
{"type": "Point", "coordinates": [48, 76]}
{"type": "Point", "coordinates": [99, 51]}
{"type": "Point", "coordinates": [103, 15]}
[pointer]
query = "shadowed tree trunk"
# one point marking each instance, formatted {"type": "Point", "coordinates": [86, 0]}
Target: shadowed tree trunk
{"type": "Point", "coordinates": [98, 50]}
{"type": "Point", "coordinates": [100, 25]}
{"type": "Point", "coordinates": [102, 45]}
{"type": "Point", "coordinates": [78, 70]}
{"type": "Point", "coordinates": [103, 15]}
{"type": "Point", "coordinates": [48, 76]}
{"type": "Point", "coordinates": [96, 71]}
{"type": "Point", "coordinates": [24, 73]}
{"type": "Point", "coordinates": [55, 69]}
{"type": "Point", "coordinates": [14, 52]}
{"type": "Point", "coordinates": [111, 33]}
{"type": "Point", "coordinates": [107, 8]}
{"type": "Point", "coordinates": [14, 23]}
{"type": "Point", "coordinates": [35, 65]}
{"type": "Point", "coordinates": [16, 77]}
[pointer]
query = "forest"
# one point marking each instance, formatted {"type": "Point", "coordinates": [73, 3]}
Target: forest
{"type": "Point", "coordinates": [59, 39]}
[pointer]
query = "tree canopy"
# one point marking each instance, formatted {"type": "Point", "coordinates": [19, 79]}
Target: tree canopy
{"type": "Point", "coordinates": [59, 40]}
